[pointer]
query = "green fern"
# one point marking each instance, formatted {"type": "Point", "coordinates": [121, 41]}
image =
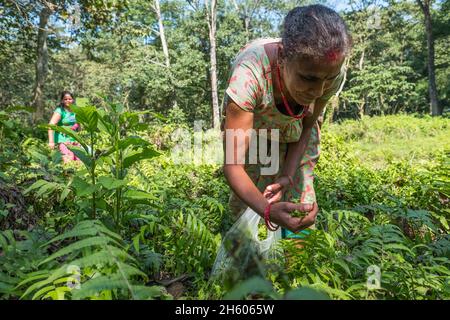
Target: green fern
{"type": "Point", "coordinates": [105, 268]}
{"type": "Point", "coordinates": [193, 244]}
{"type": "Point", "coordinates": [46, 189]}
{"type": "Point", "coordinates": [20, 254]}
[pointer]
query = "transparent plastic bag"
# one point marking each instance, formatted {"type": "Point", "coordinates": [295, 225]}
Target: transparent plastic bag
{"type": "Point", "coordinates": [246, 228]}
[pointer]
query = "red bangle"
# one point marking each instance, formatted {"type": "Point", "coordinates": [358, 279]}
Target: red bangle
{"type": "Point", "coordinates": [269, 224]}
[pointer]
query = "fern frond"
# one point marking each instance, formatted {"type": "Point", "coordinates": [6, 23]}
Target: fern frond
{"type": "Point", "coordinates": [88, 242]}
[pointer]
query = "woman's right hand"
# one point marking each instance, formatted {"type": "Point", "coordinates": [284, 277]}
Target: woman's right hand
{"type": "Point", "coordinates": [51, 145]}
{"type": "Point", "coordinates": [280, 215]}
{"type": "Point", "coordinates": [274, 192]}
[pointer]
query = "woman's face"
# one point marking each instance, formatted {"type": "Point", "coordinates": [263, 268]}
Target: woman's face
{"type": "Point", "coordinates": [67, 100]}
{"type": "Point", "coordinates": [306, 79]}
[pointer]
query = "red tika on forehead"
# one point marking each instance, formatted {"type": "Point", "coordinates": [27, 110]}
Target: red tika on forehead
{"type": "Point", "coordinates": [332, 55]}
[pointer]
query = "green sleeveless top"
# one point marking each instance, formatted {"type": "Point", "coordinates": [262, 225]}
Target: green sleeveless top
{"type": "Point", "coordinates": [67, 120]}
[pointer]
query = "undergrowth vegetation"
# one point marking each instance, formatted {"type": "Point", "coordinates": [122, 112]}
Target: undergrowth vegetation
{"type": "Point", "coordinates": [128, 223]}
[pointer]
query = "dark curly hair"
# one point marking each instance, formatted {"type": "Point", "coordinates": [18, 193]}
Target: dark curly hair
{"type": "Point", "coordinates": [315, 31]}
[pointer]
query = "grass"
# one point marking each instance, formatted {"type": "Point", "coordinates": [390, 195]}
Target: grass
{"type": "Point", "coordinates": [377, 141]}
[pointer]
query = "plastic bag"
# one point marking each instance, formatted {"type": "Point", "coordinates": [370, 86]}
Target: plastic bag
{"type": "Point", "coordinates": [246, 227]}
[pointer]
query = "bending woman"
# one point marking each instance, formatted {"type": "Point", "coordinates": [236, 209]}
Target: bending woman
{"type": "Point", "coordinates": [284, 84]}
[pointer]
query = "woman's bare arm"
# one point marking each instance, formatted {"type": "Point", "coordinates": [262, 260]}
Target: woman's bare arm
{"type": "Point", "coordinates": [241, 183]}
{"type": "Point", "coordinates": [235, 174]}
{"type": "Point", "coordinates": [56, 117]}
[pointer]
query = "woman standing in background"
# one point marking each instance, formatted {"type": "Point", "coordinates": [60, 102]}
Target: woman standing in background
{"type": "Point", "coordinates": [63, 116]}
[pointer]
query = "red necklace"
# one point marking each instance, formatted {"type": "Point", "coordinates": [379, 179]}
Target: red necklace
{"type": "Point", "coordinates": [286, 104]}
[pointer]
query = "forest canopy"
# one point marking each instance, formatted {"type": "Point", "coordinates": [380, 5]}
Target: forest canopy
{"type": "Point", "coordinates": [157, 55]}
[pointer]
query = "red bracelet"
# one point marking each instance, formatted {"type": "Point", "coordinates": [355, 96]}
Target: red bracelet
{"type": "Point", "coordinates": [269, 224]}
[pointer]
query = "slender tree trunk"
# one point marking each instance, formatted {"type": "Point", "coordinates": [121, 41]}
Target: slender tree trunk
{"type": "Point", "coordinates": [361, 60]}
{"type": "Point", "coordinates": [382, 105]}
{"type": "Point", "coordinates": [246, 13]}
{"type": "Point", "coordinates": [360, 67]}
{"type": "Point", "coordinates": [162, 36]}
{"type": "Point", "coordinates": [361, 108]}
{"type": "Point", "coordinates": [335, 99]}
{"type": "Point", "coordinates": [211, 13]}
{"type": "Point", "coordinates": [41, 65]}
{"type": "Point", "coordinates": [432, 89]}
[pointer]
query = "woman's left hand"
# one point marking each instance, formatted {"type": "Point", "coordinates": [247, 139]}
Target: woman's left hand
{"type": "Point", "coordinates": [310, 218]}
{"type": "Point", "coordinates": [274, 192]}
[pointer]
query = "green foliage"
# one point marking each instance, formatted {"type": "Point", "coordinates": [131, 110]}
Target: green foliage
{"type": "Point", "coordinates": [192, 240]}
{"type": "Point", "coordinates": [95, 266]}
{"type": "Point", "coordinates": [387, 73]}
{"type": "Point", "coordinates": [157, 220]}
{"type": "Point", "coordinates": [107, 193]}
{"type": "Point", "coordinates": [21, 253]}
{"type": "Point", "coordinates": [127, 216]}
{"type": "Point", "coordinates": [391, 215]}
{"type": "Point", "coordinates": [386, 90]}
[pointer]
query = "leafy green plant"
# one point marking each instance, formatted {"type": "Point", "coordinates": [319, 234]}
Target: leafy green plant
{"type": "Point", "coordinates": [102, 267]}
{"type": "Point", "coordinates": [109, 192]}
{"type": "Point", "coordinates": [160, 220]}
{"type": "Point", "coordinates": [21, 252]}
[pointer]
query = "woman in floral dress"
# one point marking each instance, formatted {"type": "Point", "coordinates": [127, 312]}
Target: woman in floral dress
{"type": "Point", "coordinates": [284, 84]}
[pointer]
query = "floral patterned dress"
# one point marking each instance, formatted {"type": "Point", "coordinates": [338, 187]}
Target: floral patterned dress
{"type": "Point", "coordinates": [250, 86]}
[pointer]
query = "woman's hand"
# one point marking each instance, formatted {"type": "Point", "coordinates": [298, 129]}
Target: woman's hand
{"type": "Point", "coordinates": [75, 127]}
{"type": "Point", "coordinates": [274, 192]}
{"type": "Point", "coordinates": [280, 215]}
{"type": "Point", "coordinates": [310, 218]}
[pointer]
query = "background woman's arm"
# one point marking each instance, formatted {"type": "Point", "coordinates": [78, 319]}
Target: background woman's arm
{"type": "Point", "coordinates": [51, 133]}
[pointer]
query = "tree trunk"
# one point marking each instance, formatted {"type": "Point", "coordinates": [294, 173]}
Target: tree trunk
{"type": "Point", "coordinates": [246, 13]}
{"type": "Point", "coordinates": [162, 34]}
{"type": "Point", "coordinates": [361, 108]}
{"type": "Point", "coordinates": [335, 99]}
{"type": "Point", "coordinates": [432, 89]}
{"type": "Point", "coordinates": [334, 109]}
{"type": "Point", "coordinates": [41, 65]}
{"type": "Point", "coordinates": [211, 17]}
{"type": "Point", "coordinates": [165, 48]}
{"type": "Point", "coordinates": [361, 66]}
{"type": "Point", "coordinates": [361, 60]}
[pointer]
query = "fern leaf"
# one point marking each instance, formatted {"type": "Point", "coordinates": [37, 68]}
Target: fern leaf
{"type": "Point", "coordinates": [101, 257]}
{"type": "Point", "coordinates": [42, 292]}
{"type": "Point", "coordinates": [34, 276]}
{"type": "Point", "coordinates": [74, 233]}
{"type": "Point", "coordinates": [96, 285]}
{"type": "Point", "coordinates": [89, 242]}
